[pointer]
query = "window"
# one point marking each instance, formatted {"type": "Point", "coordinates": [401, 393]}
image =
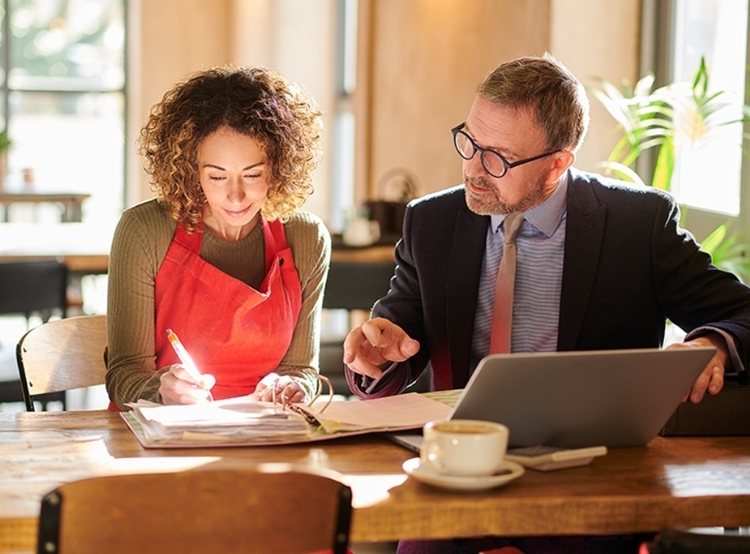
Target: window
{"type": "Point", "coordinates": [62, 86]}
{"type": "Point", "coordinates": [708, 172]}
{"type": "Point", "coordinates": [342, 181]}
{"type": "Point", "coordinates": [676, 35]}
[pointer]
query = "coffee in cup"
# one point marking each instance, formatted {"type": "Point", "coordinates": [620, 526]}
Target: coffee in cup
{"type": "Point", "coordinates": [464, 447]}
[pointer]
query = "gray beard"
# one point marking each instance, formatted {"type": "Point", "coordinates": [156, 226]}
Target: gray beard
{"type": "Point", "coordinates": [495, 205]}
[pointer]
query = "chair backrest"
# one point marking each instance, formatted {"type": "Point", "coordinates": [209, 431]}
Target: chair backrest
{"type": "Point", "coordinates": [62, 355]}
{"type": "Point", "coordinates": [355, 285]}
{"type": "Point", "coordinates": [273, 508]}
{"type": "Point", "coordinates": [33, 286]}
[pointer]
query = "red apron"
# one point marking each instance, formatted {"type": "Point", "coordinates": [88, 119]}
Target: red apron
{"type": "Point", "coordinates": [232, 331]}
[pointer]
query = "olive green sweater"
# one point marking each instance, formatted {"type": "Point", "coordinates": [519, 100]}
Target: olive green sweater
{"type": "Point", "coordinates": [140, 244]}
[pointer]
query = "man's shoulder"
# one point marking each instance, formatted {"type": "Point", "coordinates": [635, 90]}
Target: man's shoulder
{"type": "Point", "coordinates": [611, 191]}
{"type": "Point", "coordinates": [453, 198]}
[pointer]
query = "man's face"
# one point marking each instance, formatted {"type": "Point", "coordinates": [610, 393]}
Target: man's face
{"type": "Point", "coordinates": [515, 135]}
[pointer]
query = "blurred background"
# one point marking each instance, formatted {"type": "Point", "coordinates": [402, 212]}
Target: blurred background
{"type": "Point", "coordinates": [78, 78]}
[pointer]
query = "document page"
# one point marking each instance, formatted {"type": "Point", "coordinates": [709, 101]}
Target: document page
{"type": "Point", "coordinates": [405, 411]}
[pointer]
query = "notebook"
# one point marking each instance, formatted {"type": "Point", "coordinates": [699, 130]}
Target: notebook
{"type": "Point", "coordinates": [611, 398]}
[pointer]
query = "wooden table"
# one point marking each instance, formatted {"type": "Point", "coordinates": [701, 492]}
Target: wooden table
{"type": "Point", "coordinates": [71, 202]}
{"type": "Point", "coordinates": [676, 481]}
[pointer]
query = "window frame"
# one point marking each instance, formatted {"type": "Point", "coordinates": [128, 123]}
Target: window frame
{"type": "Point", "coordinates": [658, 20]}
{"type": "Point", "coordinates": [6, 89]}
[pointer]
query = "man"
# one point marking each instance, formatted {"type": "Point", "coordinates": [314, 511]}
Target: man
{"type": "Point", "coordinates": [600, 264]}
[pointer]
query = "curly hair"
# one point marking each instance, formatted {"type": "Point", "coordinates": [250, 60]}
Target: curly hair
{"type": "Point", "coordinates": [256, 102]}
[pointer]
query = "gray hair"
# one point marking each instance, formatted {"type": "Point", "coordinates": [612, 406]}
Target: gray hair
{"type": "Point", "coordinates": [543, 84]}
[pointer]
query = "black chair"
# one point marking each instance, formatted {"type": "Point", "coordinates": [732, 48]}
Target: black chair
{"type": "Point", "coordinates": [354, 286]}
{"type": "Point", "coordinates": [694, 541]}
{"type": "Point", "coordinates": [350, 286]}
{"type": "Point", "coordinates": [28, 288]}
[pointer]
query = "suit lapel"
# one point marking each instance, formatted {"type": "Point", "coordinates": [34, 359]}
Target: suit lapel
{"type": "Point", "coordinates": [465, 266]}
{"type": "Point", "coordinates": [583, 240]}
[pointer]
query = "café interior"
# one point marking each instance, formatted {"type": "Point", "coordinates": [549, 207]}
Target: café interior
{"type": "Point", "coordinates": [375, 68]}
{"type": "Point", "coordinates": [392, 78]}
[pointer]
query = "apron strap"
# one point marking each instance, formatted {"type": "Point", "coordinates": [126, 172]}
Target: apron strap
{"type": "Point", "coordinates": [275, 237]}
{"type": "Point", "coordinates": [190, 241]}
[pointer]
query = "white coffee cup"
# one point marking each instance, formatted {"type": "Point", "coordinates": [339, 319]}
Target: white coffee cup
{"type": "Point", "coordinates": [463, 447]}
{"type": "Point", "coordinates": [361, 232]}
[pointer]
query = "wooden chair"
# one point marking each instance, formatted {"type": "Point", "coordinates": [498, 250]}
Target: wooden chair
{"type": "Point", "coordinates": [273, 508]}
{"type": "Point", "coordinates": [61, 355]}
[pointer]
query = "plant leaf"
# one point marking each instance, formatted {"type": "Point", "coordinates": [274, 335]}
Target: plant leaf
{"type": "Point", "coordinates": [664, 166]}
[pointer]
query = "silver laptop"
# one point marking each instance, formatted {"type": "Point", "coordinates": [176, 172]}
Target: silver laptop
{"type": "Point", "coordinates": [612, 398]}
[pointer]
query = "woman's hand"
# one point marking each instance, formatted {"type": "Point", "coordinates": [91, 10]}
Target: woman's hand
{"type": "Point", "coordinates": [179, 387]}
{"type": "Point", "coordinates": [280, 388]}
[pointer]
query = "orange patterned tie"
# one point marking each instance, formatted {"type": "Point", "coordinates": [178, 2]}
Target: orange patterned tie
{"type": "Point", "coordinates": [502, 311]}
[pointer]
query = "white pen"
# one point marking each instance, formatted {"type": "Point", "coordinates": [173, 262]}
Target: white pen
{"type": "Point", "coordinates": [183, 355]}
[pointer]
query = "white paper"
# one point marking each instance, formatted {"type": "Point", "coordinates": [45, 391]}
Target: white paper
{"type": "Point", "coordinates": [405, 411]}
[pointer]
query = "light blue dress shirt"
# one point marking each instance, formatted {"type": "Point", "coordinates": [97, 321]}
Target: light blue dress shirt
{"type": "Point", "coordinates": [540, 246]}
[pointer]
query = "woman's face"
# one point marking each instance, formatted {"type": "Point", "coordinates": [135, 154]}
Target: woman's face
{"type": "Point", "coordinates": [234, 177]}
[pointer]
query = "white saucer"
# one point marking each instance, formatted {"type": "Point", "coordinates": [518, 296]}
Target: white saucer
{"type": "Point", "coordinates": [507, 472]}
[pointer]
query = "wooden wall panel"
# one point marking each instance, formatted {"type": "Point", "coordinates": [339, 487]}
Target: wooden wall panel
{"type": "Point", "coordinates": [177, 37]}
{"type": "Point", "coordinates": [428, 58]}
{"type": "Point", "coordinates": [610, 51]}
{"type": "Point", "coordinates": [421, 61]}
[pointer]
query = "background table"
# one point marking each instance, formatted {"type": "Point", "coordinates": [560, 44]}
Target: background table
{"type": "Point", "coordinates": [677, 481]}
{"type": "Point", "coordinates": [84, 247]}
{"type": "Point", "coordinates": [71, 202]}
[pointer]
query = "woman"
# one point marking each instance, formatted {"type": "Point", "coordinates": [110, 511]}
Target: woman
{"type": "Point", "coordinates": [222, 256]}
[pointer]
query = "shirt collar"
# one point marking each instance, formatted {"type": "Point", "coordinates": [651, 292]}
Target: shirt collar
{"type": "Point", "coordinates": [546, 216]}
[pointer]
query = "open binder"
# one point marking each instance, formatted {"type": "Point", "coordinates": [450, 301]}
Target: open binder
{"type": "Point", "coordinates": [245, 422]}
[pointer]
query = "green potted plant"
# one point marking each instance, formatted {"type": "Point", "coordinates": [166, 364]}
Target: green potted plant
{"type": "Point", "coordinates": [656, 121]}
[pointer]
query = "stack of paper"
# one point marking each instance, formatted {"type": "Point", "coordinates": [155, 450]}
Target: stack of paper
{"type": "Point", "coordinates": [235, 419]}
{"type": "Point", "coordinates": [245, 422]}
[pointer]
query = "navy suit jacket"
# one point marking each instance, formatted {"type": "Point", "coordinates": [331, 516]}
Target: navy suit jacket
{"type": "Point", "coordinates": [628, 266]}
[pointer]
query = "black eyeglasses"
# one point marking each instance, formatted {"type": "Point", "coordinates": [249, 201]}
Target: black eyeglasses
{"type": "Point", "coordinates": [494, 164]}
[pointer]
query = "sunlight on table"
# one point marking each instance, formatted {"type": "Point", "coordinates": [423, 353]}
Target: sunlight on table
{"type": "Point", "coordinates": [372, 489]}
{"type": "Point", "coordinates": [708, 479]}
